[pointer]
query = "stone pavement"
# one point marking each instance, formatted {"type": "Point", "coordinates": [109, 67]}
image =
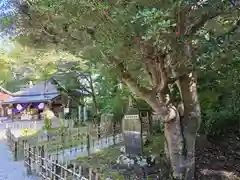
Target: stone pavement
{"type": "Point", "coordinates": [9, 169]}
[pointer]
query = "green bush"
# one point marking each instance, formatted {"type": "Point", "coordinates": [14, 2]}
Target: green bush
{"type": "Point", "coordinates": [47, 124]}
{"type": "Point", "coordinates": [220, 119]}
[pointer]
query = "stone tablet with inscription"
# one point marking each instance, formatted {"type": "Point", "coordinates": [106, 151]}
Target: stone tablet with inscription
{"type": "Point", "coordinates": [132, 133]}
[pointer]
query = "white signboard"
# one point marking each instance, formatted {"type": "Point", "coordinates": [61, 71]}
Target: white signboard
{"type": "Point", "coordinates": [131, 116]}
{"type": "Point", "coordinates": [66, 110]}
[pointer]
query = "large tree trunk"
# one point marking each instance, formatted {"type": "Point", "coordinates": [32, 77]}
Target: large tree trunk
{"type": "Point", "coordinates": [181, 128]}
{"type": "Point", "coordinates": [174, 142]}
{"type": "Point", "coordinates": [191, 120]}
{"type": "Point", "coordinates": [174, 145]}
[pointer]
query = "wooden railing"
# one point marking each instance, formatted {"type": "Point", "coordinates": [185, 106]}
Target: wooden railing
{"type": "Point", "coordinates": [15, 145]}
{"type": "Point", "coordinates": [68, 140]}
{"type": "Point", "coordinates": [40, 163]}
{"type": "Point", "coordinates": [12, 143]}
{"type": "Point", "coordinates": [24, 125]}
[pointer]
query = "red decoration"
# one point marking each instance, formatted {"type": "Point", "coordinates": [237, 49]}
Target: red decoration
{"type": "Point", "coordinates": [177, 34]}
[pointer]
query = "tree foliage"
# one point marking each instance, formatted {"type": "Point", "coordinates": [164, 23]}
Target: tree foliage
{"type": "Point", "coordinates": [129, 35]}
{"type": "Point", "coordinates": [156, 48]}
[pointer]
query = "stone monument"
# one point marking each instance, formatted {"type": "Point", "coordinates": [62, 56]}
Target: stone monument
{"type": "Point", "coordinates": [132, 132]}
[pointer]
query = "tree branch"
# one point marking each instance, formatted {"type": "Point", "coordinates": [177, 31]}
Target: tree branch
{"type": "Point", "coordinates": [232, 30]}
{"type": "Point", "coordinates": [150, 72]}
{"type": "Point", "coordinates": [163, 79]}
{"type": "Point", "coordinates": [129, 80]}
{"type": "Point", "coordinates": [207, 13]}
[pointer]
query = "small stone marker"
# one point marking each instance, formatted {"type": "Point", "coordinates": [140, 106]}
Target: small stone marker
{"type": "Point", "coordinates": [132, 132]}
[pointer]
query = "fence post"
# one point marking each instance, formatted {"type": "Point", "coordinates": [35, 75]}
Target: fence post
{"type": "Point", "coordinates": [15, 150]}
{"type": "Point", "coordinates": [48, 136]}
{"type": "Point", "coordinates": [37, 162]}
{"type": "Point", "coordinates": [51, 167]}
{"type": "Point", "coordinates": [97, 176]}
{"type": "Point", "coordinates": [65, 172]}
{"type": "Point", "coordinates": [25, 152]}
{"type": "Point", "coordinates": [99, 130]}
{"type": "Point", "coordinates": [57, 170]}
{"type": "Point", "coordinates": [62, 172]}
{"type": "Point", "coordinates": [80, 171]}
{"type": "Point", "coordinates": [34, 159]}
{"type": "Point", "coordinates": [114, 133]}
{"type": "Point", "coordinates": [29, 170]}
{"type": "Point", "coordinates": [88, 144]}
{"type": "Point", "coordinates": [90, 174]}
{"type": "Point", "coordinates": [42, 158]}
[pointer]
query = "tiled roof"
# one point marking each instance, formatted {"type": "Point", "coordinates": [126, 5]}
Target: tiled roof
{"type": "Point", "coordinates": [42, 91]}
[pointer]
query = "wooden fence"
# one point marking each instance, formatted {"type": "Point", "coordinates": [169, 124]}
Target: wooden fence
{"type": "Point", "coordinates": [23, 125]}
{"type": "Point", "coordinates": [15, 145]}
{"type": "Point", "coordinates": [68, 141]}
{"type": "Point", "coordinates": [57, 165]}
{"type": "Point", "coordinates": [90, 146]}
{"type": "Point", "coordinates": [69, 137]}
{"type": "Point", "coordinates": [12, 143]}
{"type": "Point", "coordinates": [45, 166]}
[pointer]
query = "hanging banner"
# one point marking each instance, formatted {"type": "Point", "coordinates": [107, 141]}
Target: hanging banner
{"type": "Point", "coordinates": [39, 106]}
{"type": "Point", "coordinates": [20, 107]}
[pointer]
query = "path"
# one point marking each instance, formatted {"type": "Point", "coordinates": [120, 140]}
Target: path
{"type": "Point", "coordinates": [9, 169]}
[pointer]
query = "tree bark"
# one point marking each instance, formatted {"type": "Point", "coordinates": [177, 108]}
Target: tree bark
{"type": "Point", "coordinates": [190, 122]}
{"type": "Point", "coordinates": [180, 128]}
{"type": "Point", "coordinates": [174, 142]}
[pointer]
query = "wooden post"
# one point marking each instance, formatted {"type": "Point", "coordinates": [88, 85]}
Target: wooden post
{"type": "Point", "coordinates": [150, 121]}
{"type": "Point", "coordinates": [47, 168]}
{"type": "Point", "coordinates": [85, 116]}
{"type": "Point", "coordinates": [15, 150]}
{"type": "Point", "coordinates": [90, 174]}
{"type": "Point", "coordinates": [61, 172]}
{"type": "Point", "coordinates": [65, 172]}
{"type": "Point", "coordinates": [99, 130]}
{"type": "Point", "coordinates": [80, 171]}
{"type": "Point", "coordinates": [80, 113]}
{"type": "Point", "coordinates": [114, 133]}
{"type": "Point", "coordinates": [57, 170]}
{"type": "Point", "coordinates": [29, 170]}
{"type": "Point", "coordinates": [88, 144]}
{"type": "Point", "coordinates": [51, 168]}
{"type": "Point", "coordinates": [57, 153]}
{"type": "Point", "coordinates": [25, 152]}
{"type": "Point", "coordinates": [34, 159]}
{"type": "Point", "coordinates": [37, 162]}
{"type": "Point", "coordinates": [42, 154]}
{"type": "Point", "coordinates": [97, 176]}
